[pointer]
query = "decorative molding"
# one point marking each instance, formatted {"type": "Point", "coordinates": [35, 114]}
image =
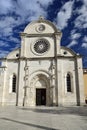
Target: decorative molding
{"type": "Point", "coordinates": [41, 34]}
{"type": "Point", "coordinates": [26, 77]}
{"type": "Point", "coordinates": [40, 28]}
{"type": "Point", "coordinates": [26, 68]}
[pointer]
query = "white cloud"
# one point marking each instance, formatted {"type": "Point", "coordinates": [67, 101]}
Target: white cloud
{"type": "Point", "coordinates": [5, 6]}
{"type": "Point", "coordinates": [75, 36]}
{"type": "Point", "coordinates": [45, 2]}
{"type": "Point", "coordinates": [73, 31]}
{"type": "Point", "coordinates": [15, 13]}
{"type": "Point", "coordinates": [29, 9]}
{"type": "Point", "coordinates": [14, 39]}
{"type": "Point", "coordinates": [3, 53]}
{"type": "Point", "coordinates": [74, 42]}
{"type": "Point", "coordinates": [85, 2]}
{"type": "Point", "coordinates": [84, 45]}
{"type": "Point", "coordinates": [81, 20]}
{"type": "Point", "coordinates": [85, 39]}
{"type": "Point", "coordinates": [64, 14]}
{"type": "Point", "coordinates": [4, 44]}
{"type": "Point", "coordinates": [25, 10]}
{"type": "Point", "coordinates": [7, 24]}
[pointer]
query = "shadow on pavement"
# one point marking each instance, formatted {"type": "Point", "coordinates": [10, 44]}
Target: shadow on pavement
{"type": "Point", "coordinates": [29, 124]}
{"type": "Point", "coordinates": [81, 111]}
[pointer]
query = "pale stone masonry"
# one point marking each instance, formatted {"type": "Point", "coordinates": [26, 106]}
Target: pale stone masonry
{"type": "Point", "coordinates": [41, 71]}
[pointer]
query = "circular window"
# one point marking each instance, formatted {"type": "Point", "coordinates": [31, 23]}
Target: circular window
{"type": "Point", "coordinates": [65, 52]}
{"type": "Point", "coordinates": [17, 55]}
{"type": "Point", "coordinates": [41, 46]}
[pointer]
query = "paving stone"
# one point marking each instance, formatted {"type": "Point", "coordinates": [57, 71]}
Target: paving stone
{"type": "Point", "coordinates": [43, 118]}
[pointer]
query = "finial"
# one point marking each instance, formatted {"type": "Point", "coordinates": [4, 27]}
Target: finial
{"type": "Point", "coordinates": [41, 17]}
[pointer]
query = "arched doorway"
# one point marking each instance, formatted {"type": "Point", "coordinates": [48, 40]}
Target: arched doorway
{"type": "Point", "coordinates": [41, 90]}
{"type": "Point", "coordinates": [40, 96]}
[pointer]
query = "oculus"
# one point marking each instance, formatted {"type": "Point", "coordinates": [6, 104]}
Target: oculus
{"type": "Point", "coordinates": [65, 52]}
{"type": "Point", "coordinates": [41, 46]}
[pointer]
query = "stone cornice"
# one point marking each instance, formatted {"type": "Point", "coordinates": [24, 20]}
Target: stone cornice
{"type": "Point", "coordinates": [1, 67]}
{"type": "Point", "coordinates": [40, 35]}
{"type": "Point", "coordinates": [39, 58]}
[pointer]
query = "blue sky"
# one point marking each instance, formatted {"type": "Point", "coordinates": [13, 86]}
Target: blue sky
{"type": "Point", "coordinates": [70, 16]}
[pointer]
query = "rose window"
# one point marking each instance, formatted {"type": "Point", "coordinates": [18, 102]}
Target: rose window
{"type": "Point", "coordinates": [41, 46]}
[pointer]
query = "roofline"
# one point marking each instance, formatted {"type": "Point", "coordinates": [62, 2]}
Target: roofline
{"type": "Point", "coordinates": [12, 51]}
{"type": "Point", "coordinates": [40, 20]}
{"type": "Point", "coordinates": [73, 52]}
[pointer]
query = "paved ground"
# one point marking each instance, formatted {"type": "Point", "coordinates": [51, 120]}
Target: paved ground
{"type": "Point", "coordinates": [43, 118]}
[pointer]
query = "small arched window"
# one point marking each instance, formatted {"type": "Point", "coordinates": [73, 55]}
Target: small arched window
{"type": "Point", "coordinates": [14, 83]}
{"type": "Point", "coordinates": [68, 82]}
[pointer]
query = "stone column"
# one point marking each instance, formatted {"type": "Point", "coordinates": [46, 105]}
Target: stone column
{"type": "Point", "coordinates": [79, 81]}
{"type": "Point", "coordinates": [57, 37]}
{"type": "Point", "coordinates": [55, 62]}
{"type": "Point", "coordinates": [53, 83]}
{"type": "Point", "coordinates": [4, 84]}
{"type": "Point", "coordinates": [26, 82]}
{"type": "Point", "coordinates": [22, 54]}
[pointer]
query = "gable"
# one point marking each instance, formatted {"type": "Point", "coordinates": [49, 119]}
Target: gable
{"type": "Point", "coordinates": [14, 54]}
{"type": "Point", "coordinates": [67, 52]}
{"type": "Point", "coordinates": [40, 26]}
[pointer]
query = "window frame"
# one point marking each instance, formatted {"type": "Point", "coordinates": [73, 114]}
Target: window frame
{"type": "Point", "coordinates": [68, 82]}
{"type": "Point", "coordinates": [14, 79]}
{"type": "Point", "coordinates": [71, 83]}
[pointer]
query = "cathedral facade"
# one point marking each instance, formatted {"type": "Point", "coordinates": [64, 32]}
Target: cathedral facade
{"type": "Point", "coordinates": [41, 71]}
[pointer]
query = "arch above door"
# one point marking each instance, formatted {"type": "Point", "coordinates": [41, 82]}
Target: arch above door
{"type": "Point", "coordinates": [40, 86]}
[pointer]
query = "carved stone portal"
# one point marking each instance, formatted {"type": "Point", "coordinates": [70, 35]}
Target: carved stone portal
{"type": "Point", "coordinates": [40, 82]}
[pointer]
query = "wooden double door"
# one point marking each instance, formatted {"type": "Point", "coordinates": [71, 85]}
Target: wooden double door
{"type": "Point", "coordinates": [40, 96]}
